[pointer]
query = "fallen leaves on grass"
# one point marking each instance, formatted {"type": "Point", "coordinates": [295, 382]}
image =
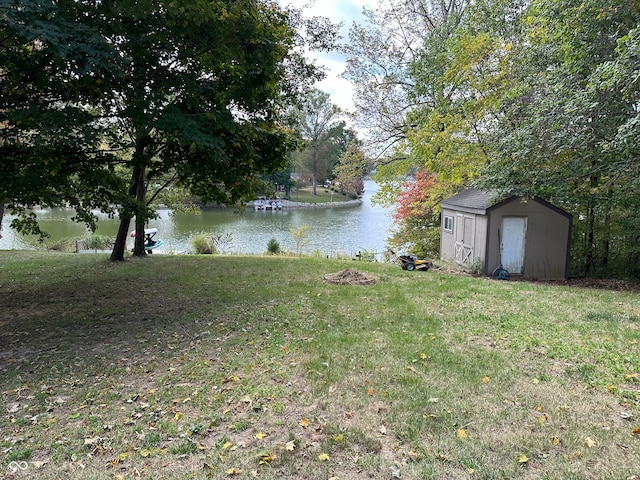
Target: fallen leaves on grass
{"type": "Point", "coordinates": [304, 423]}
{"type": "Point", "coordinates": [413, 456]}
{"type": "Point", "coordinates": [267, 457]}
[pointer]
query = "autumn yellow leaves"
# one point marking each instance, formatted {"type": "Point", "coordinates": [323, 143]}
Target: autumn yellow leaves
{"type": "Point", "coordinates": [273, 452]}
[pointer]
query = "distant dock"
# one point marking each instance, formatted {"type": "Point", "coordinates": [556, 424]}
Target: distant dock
{"type": "Point", "coordinates": [259, 205]}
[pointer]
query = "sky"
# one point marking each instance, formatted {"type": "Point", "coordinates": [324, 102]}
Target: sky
{"type": "Point", "coordinates": [347, 12]}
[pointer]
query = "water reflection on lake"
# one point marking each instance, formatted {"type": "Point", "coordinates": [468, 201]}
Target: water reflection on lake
{"type": "Point", "coordinates": [331, 230]}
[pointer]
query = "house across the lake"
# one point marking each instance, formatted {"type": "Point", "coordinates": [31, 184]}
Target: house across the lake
{"type": "Point", "coordinates": [529, 237]}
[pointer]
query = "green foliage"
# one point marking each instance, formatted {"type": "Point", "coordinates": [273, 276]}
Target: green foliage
{"type": "Point", "coordinates": [300, 237]}
{"type": "Point", "coordinates": [419, 236]}
{"type": "Point", "coordinates": [50, 145]}
{"type": "Point", "coordinates": [273, 247]}
{"type": "Point", "coordinates": [559, 123]}
{"type": "Point", "coordinates": [416, 215]}
{"type": "Point", "coordinates": [351, 170]}
{"type": "Point", "coordinates": [202, 243]}
{"type": "Point", "coordinates": [533, 98]}
{"type": "Point", "coordinates": [477, 266]}
{"type": "Point", "coordinates": [145, 97]}
{"type": "Point", "coordinates": [98, 242]}
{"type": "Point", "coordinates": [367, 256]}
{"type": "Point", "coordinates": [322, 129]}
{"type": "Point", "coordinates": [19, 455]}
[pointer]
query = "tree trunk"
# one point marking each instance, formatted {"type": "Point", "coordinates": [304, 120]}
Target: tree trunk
{"type": "Point", "coordinates": [633, 257]}
{"type": "Point", "coordinates": [589, 241]}
{"type": "Point", "coordinates": [117, 254]}
{"type": "Point", "coordinates": [606, 240]}
{"type": "Point", "coordinates": [137, 191]}
{"type": "Point", "coordinates": [1, 216]}
{"type": "Point", "coordinates": [140, 193]}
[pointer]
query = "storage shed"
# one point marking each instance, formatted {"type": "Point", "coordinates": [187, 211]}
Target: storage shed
{"type": "Point", "coordinates": [529, 236]}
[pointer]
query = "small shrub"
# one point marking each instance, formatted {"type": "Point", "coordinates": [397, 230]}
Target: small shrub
{"type": "Point", "coordinates": [273, 247]}
{"type": "Point", "coordinates": [98, 242]}
{"type": "Point", "coordinates": [300, 237]}
{"type": "Point", "coordinates": [477, 266]}
{"type": "Point", "coordinates": [202, 244]}
{"type": "Point", "coordinates": [366, 256]}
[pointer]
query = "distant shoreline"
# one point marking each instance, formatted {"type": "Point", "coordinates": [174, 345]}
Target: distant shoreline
{"type": "Point", "coordinates": [289, 204]}
{"type": "Point", "coordinates": [292, 204]}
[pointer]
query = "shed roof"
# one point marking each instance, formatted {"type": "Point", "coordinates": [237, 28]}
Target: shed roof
{"type": "Point", "coordinates": [471, 199]}
{"type": "Point", "coordinates": [480, 201]}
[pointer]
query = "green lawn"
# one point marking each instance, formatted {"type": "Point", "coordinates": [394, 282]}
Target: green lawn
{"type": "Point", "coordinates": [256, 367]}
{"type": "Point", "coordinates": [323, 195]}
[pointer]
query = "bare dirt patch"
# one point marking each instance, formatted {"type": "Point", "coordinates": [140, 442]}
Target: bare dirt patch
{"type": "Point", "coordinates": [350, 277]}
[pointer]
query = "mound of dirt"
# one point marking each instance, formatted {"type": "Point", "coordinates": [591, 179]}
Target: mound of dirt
{"type": "Point", "coordinates": [349, 277]}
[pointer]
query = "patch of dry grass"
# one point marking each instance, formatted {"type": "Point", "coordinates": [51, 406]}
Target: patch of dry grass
{"type": "Point", "coordinates": [187, 367]}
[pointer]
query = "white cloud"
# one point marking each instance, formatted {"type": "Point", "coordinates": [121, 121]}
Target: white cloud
{"type": "Point", "coordinates": [338, 11]}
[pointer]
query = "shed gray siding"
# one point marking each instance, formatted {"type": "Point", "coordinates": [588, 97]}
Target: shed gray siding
{"type": "Point", "coordinates": [467, 242]}
{"type": "Point", "coordinates": [547, 241]}
{"type": "Point", "coordinates": [477, 230]}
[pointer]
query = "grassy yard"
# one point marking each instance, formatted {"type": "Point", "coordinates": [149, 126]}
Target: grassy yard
{"type": "Point", "coordinates": [323, 195]}
{"type": "Point", "coordinates": [175, 367]}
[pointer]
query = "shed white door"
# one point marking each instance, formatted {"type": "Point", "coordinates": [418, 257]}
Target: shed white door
{"type": "Point", "coordinates": [514, 233]}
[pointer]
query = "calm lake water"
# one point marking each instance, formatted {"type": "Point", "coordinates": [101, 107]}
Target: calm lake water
{"type": "Point", "coordinates": [339, 230]}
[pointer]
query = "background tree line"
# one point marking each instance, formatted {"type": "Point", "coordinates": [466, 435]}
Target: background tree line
{"type": "Point", "coordinates": [533, 97]}
{"type": "Point", "coordinates": [329, 150]}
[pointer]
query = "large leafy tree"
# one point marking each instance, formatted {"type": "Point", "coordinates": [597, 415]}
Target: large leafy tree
{"type": "Point", "coordinates": [322, 129]}
{"type": "Point", "coordinates": [196, 95]}
{"type": "Point", "coordinates": [537, 98]}
{"type": "Point", "coordinates": [425, 71]}
{"type": "Point", "coordinates": [562, 121]}
{"type": "Point", "coordinates": [49, 142]}
{"type": "Point", "coordinates": [189, 91]}
{"type": "Point", "coordinates": [405, 68]}
{"type": "Point", "coordinates": [352, 168]}
{"type": "Point", "coordinates": [416, 216]}
{"type": "Point", "coordinates": [380, 56]}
